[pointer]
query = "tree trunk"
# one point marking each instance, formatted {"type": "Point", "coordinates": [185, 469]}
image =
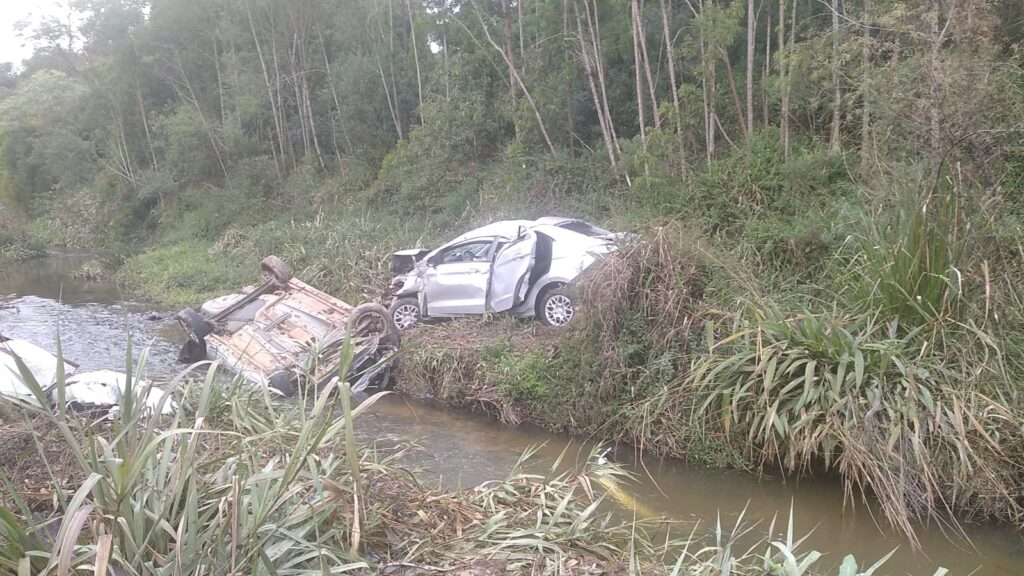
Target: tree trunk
{"type": "Point", "coordinates": [735, 93]}
{"type": "Point", "coordinates": [837, 95]}
{"type": "Point", "coordinates": [786, 71]}
{"type": "Point", "coordinates": [287, 153]}
{"type": "Point", "coordinates": [202, 118]}
{"type": "Point", "coordinates": [506, 19]}
{"type": "Point", "coordinates": [270, 92]}
{"type": "Point", "coordinates": [312, 123]}
{"type": "Point", "coordinates": [637, 66]}
{"type": "Point", "coordinates": [586, 55]}
{"type": "Point", "coordinates": [522, 36]}
{"type": "Point", "coordinates": [766, 71]}
{"type": "Point", "coordinates": [397, 110]}
{"type": "Point", "coordinates": [391, 106]}
{"type": "Point", "coordinates": [415, 53]}
{"type": "Point", "coordinates": [751, 33]}
{"type": "Point", "coordinates": [300, 99]}
{"type": "Point", "coordinates": [670, 51]}
{"type": "Point", "coordinates": [220, 84]}
{"type": "Point", "coordinates": [595, 38]}
{"type": "Point", "coordinates": [641, 34]}
{"type": "Point", "coordinates": [334, 96]}
{"type": "Point", "coordinates": [145, 122]}
{"type": "Point", "coordinates": [519, 81]}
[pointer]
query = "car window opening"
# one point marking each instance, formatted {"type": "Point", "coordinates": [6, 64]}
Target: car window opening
{"type": "Point", "coordinates": [472, 252]}
{"type": "Point", "coordinates": [542, 259]}
{"type": "Point", "coordinates": [584, 228]}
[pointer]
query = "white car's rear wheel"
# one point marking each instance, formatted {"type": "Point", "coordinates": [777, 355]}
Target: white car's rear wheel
{"type": "Point", "coordinates": [556, 307]}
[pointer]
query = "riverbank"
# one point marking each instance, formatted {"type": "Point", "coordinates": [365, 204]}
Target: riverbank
{"type": "Point", "coordinates": [930, 431]}
{"type": "Point", "coordinates": [246, 485]}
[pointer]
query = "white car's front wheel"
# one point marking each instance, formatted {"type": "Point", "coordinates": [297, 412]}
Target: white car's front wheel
{"type": "Point", "coordinates": [405, 312]}
{"type": "Point", "coordinates": [556, 307]}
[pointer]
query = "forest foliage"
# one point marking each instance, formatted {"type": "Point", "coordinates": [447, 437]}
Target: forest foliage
{"type": "Point", "coordinates": [131, 113]}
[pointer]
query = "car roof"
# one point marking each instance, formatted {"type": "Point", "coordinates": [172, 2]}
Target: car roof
{"type": "Point", "coordinates": [568, 237]}
{"type": "Point", "coordinates": [503, 228]}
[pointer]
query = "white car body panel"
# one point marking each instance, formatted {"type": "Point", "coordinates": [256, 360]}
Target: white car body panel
{"type": "Point", "coordinates": [455, 288]}
{"type": "Point", "coordinates": [39, 362]}
{"type": "Point", "coordinates": [509, 272]}
{"type": "Point", "coordinates": [105, 390]}
{"type": "Point", "coordinates": [101, 390]}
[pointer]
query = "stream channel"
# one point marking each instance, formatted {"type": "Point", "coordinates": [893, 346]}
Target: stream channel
{"type": "Point", "coordinates": [462, 450]}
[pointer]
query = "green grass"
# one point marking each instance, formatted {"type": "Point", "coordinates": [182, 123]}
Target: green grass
{"type": "Point", "coordinates": [186, 273]}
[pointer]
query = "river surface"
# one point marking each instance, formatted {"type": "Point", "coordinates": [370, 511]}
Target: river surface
{"type": "Point", "coordinates": [462, 450]}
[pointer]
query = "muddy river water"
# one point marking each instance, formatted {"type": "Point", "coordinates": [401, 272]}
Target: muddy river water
{"type": "Point", "coordinates": [460, 449]}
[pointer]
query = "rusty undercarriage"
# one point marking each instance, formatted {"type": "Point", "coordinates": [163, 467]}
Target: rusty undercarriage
{"type": "Point", "coordinates": [287, 335]}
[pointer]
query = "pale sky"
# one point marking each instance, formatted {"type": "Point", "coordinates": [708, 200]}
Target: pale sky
{"type": "Point", "coordinates": [11, 11]}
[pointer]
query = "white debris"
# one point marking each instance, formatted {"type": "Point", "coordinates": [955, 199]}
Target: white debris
{"type": "Point", "coordinates": [39, 362]}
{"type": "Point", "coordinates": [105, 390]}
{"type": "Point", "coordinates": [102, 390]}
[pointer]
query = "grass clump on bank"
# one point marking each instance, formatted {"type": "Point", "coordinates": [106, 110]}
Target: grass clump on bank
{"type": "Point", "coordinates": [234, 483]}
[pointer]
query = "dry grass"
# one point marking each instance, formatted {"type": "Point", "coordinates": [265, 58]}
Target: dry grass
{"type": "Point", "coordinates": [443, 361]}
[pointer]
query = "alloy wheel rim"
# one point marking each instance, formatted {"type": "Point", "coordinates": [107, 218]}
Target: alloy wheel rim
{"type": "Point", "coordinates": [558, 310]}
{"type": "Point", "coordinates": [405, 316]}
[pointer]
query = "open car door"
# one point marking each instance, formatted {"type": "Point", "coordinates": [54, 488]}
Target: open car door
{"type": "Point", "coordinates": [510, 273]}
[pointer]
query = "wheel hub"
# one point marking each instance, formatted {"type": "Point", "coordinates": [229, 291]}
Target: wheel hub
{"type": "Point", "coordinates": [558, 310]}
{"type": "Point", "coordinates": [405, 316]}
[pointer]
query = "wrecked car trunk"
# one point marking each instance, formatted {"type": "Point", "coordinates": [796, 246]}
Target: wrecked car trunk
{"type": "Point", "coordinates": [286, 335]}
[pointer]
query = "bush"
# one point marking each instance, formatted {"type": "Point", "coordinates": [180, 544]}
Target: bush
{"type": "Point", "coordinates": [852, 393]}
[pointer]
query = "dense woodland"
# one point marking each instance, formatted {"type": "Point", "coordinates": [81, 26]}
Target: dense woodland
{"type": "Point", "coordinates": [127, 104]}
{"type": "Point", "coordinates": [833, 186]}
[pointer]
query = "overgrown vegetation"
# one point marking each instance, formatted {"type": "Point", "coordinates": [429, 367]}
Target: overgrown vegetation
{"type": "Point", "coordinates": [827, 192]}
{"type": "Point", "coordinates": [235, 483]}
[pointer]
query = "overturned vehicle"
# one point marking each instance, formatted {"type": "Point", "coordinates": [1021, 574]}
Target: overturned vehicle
{"type": "Point", "coordinates": [522, 267]}
{"type": "Point", "coordinates": [287, 335]}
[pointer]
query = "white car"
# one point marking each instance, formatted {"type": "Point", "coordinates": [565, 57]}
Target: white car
{"type": "Point", "coordinates": [517, 266]}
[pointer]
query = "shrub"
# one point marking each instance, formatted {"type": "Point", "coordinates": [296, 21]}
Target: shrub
{"type": "Point", "coordinates": [897, 417]}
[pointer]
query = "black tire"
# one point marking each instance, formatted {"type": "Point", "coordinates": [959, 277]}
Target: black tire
{"type": "Point", "coordinates": [283, 382]}
{"type": "Point", "coordinates": [372, 319]}
{"type": "Point", "coordinates": [273, 268]}
{"type": "Point", "coordinates": [195, 326]}
{"type": "Point", "coordinates": [192, 352]}
{"type": "Point", "coordinates": [556, 306]}
{"type": "Point", "coordinates": [405, 312]}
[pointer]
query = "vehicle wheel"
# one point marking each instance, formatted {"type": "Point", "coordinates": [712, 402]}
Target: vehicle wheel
{"type": "Point", "coordinates": [371, 319]}
{"type": "Point", "coordinates": [192, 352]}
{"type": "Point", "coordinates": [282, 382]}
{"type": "Point", "coordinates": [405, 312]}
{"type": "Point", "coordinates": [556, 307]}
{"type": "Point", "coordinates": [273, 268]}
{"type": "Point", "coordinates": [195, 326]}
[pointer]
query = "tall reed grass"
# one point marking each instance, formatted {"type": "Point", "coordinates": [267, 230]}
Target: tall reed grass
{"type": "Point", "coordinates": [235, 484]}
